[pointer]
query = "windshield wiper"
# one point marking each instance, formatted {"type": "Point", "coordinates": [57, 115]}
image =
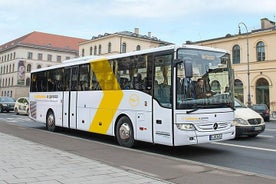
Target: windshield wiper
{"type": "Point", "coordinates": [195, 109]}
{"type": "Point", "coordinates": [211, 106]}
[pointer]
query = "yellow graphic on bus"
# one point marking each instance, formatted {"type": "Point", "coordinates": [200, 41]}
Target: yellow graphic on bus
{"type": "Point", "coordinates": [111, 98]}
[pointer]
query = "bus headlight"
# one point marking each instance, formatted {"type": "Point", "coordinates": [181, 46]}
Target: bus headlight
{"type": "Point", "coordinates": [185, 126]}
{"type": "Point", "coordinates": [239, 121]}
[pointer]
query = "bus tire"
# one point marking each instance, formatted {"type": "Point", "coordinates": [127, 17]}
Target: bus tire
{"type": "Point", "coordinates": [124, 132]}
{"type": "Point", "coordinates": [50, 121]}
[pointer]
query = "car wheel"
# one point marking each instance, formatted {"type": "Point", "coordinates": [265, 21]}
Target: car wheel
{"type": "Point", "coordinates": [124, 132]}
{"type": "Point", "coordinates": [254, 135]}
{"type": "Point", "coordinates": [50, 121]}
{"type": "Point", "coordinates": [1, 109]}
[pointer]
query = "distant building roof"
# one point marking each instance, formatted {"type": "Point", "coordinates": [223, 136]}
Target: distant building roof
{"type": "Point", "coordinates": [134, 34]}
{"type": "Point", "coordinates": [46, 40]}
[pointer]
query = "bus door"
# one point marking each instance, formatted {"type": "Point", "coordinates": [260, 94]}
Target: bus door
{"type": "Point", "coordinates": [70, 98]}
{"type": "Point", "coordinates": [162, 100]}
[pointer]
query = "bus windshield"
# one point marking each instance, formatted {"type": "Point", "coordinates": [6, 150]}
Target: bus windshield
{"type": "Point", "coordinates": [208, 83]}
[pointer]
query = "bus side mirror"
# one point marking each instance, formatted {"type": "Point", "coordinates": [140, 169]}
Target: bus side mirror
{"type": "Point", "coordinates": [188, 67]}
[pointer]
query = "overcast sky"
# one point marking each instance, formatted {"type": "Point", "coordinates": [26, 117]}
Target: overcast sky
{"type": "Point", "coordinates": [170, 20]}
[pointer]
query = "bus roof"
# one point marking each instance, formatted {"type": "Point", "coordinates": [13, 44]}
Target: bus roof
{"type": "Point", "coordinates": [87, 59]}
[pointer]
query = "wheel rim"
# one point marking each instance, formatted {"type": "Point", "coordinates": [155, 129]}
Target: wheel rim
{"type": "Point", "coordinates": [51, 120]}
{"type": "Point", "coordinates": [124, 131]}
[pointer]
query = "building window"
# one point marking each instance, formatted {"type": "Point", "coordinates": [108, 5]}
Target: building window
{"type": "Point", "coordinates": [236, 54]}
{"type": "Point", "coordinates": [14, 55]}
{"type": "Point", "coordinates": [260, 51]}
{"type": "Point", "coordinates": [49, 57]}
{"type": "Point", "coordinates": [67, 58]}
{"type": "Point", "coordinates": [82, 52]}
{"type": "Point", "coordinates": [109, 47]}
{"type": "Point", "coordinates": [95, 50]}
{"type": "Point", "coordinates": [30, 55]}
{"type": "Point", "coordinates": [91, 51]}
{"type": "Point", "coordinates": [39, 56]}
{"type": "Point", "coordinates": [29, 68]}
{"type": "Point", "coordinates": [100, 49]}
{"type": "Point", "coordinates": [124, 48]}
{"type": "Point", "coordinates": [138, 47]}
{"type": "Point", "coordinates": [58, 58]}
{"type": "Point", "coordinates": [38, 66]}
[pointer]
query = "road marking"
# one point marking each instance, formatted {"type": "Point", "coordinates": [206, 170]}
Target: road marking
{"type": "Point", "coordinates": [266, 136]}
{"type": "Point", "coordinates": [271, 130]}
{"type": "Point", "coordinates": [247, 147]}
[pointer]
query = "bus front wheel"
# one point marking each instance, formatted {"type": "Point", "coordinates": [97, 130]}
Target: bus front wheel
{"type": "Point", "coordinates": [124, 132]}
{"type": "Point", "coordinates": [50, 121]}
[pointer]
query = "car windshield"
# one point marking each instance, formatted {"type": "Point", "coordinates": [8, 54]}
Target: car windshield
{"type": "Point", "coordinates": [7, 99]}
{"type": "Point", "coordinates": [259, 107]}
{"type": "Point", "coordinates": [239, 104]}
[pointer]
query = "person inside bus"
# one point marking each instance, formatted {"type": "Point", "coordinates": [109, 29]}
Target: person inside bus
{"type": "Point", "coordinates": [138, 82]}
{"type": "Point", "coordinates": [201, 91]}
{"type": "Point", "coordinates": [200, 88]}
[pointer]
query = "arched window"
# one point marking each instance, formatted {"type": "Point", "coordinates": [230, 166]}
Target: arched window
{"type": "Point", "coordinates": [29, 68]}
{"type": "Point", "coordinates": [138, 47]}
{"type": "Point", "coordinates": [38, 66]}
{"type": "Point", "coordinates": [236, 54]}
{"type": "Point", "coordinates": [109, 47]}
{"type": "Point", "coordinates": [91, 51]}
{"type": "Point", "coordinates": [82, 52]}
{"type": "Point", "coordinates": [124, 48]}
{"type": "Point", "coordinates": [262, 92]}
{"type": "Point", "coordinates": [100, 49]}
{"type": "Point", "coordinates": [28, 81]}
{"type": "Point", "coordinates": [260, 49]}
{"type": "Point", "coordinates": [95, 50]}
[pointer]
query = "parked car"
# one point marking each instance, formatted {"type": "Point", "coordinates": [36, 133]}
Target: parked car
{"type": "Point", "coordinates": [6, 104]}
{"type": "Point", "coordinates": [22, 105]}
{"type": "Point", "coordinates": [247, 122]}
{"type": "Point", "coordinates": [263, 110]}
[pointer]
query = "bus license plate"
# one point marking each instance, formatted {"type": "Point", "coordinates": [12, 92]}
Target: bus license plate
{"type": "Point", "coordinates": [215, 137]}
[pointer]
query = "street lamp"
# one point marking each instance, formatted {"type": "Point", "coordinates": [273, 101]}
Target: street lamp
{"type": "Point", "coordinates": [248, 69]}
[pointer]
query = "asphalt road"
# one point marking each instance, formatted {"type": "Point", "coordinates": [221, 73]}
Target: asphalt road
{"type": "Point", "coordinates": [250, 155]}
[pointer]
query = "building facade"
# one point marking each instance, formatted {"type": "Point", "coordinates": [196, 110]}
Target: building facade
{"type": "Point", "coordinates": [119, 42]}
{"type": "Point", "coordinates": [34, 50]}
{"type": "Point", "coordinates": [254, 62]}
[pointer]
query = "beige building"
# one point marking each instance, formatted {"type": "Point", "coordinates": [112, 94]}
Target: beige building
{"type": "Point", "coordinates": [34, 50]}
{"type": "Point", "coordinates": [256, 51]}
{"type": "Point", "coordinates": [119, 42]}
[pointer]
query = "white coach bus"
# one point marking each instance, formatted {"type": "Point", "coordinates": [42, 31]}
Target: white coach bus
{"type": "Point", "coordinates": [147, 95]}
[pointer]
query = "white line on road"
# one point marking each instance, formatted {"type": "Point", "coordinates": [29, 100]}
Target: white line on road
{"type": "Point", "coordinates": [247, 147]}
{"type": "Point", "coordinates": [266, 136]}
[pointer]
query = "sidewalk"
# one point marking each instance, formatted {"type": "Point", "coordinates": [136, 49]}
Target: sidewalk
{"type": "Point", "coordinates": [22, 162]}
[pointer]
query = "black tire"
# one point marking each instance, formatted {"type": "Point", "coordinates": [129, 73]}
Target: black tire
{"type": "Point", "coordinates": [1, 109]}
{"type": "Point", "coordinates": [50, 121]}
{"type": "Point", "coordinates": [253, 135]}
{"type": "Point", "coordinates": [124, 132]}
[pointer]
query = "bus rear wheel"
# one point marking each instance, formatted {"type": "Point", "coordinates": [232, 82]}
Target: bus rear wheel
{"type": "Point", "coordinates": [124, 132]}
{"type": "Point", "coordinates": [50, 121]}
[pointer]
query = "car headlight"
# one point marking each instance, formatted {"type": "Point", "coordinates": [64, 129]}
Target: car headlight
{"type": "Point", "coordinates": [240, 121]}
{"type": "Point", "coordinates": [185, 126]}
{"type": "Point", "coordinates": [5, 105]}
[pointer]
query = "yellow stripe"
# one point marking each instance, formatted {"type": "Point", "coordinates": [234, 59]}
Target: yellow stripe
{"type": "Point", "coordinates": [111, 98]}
